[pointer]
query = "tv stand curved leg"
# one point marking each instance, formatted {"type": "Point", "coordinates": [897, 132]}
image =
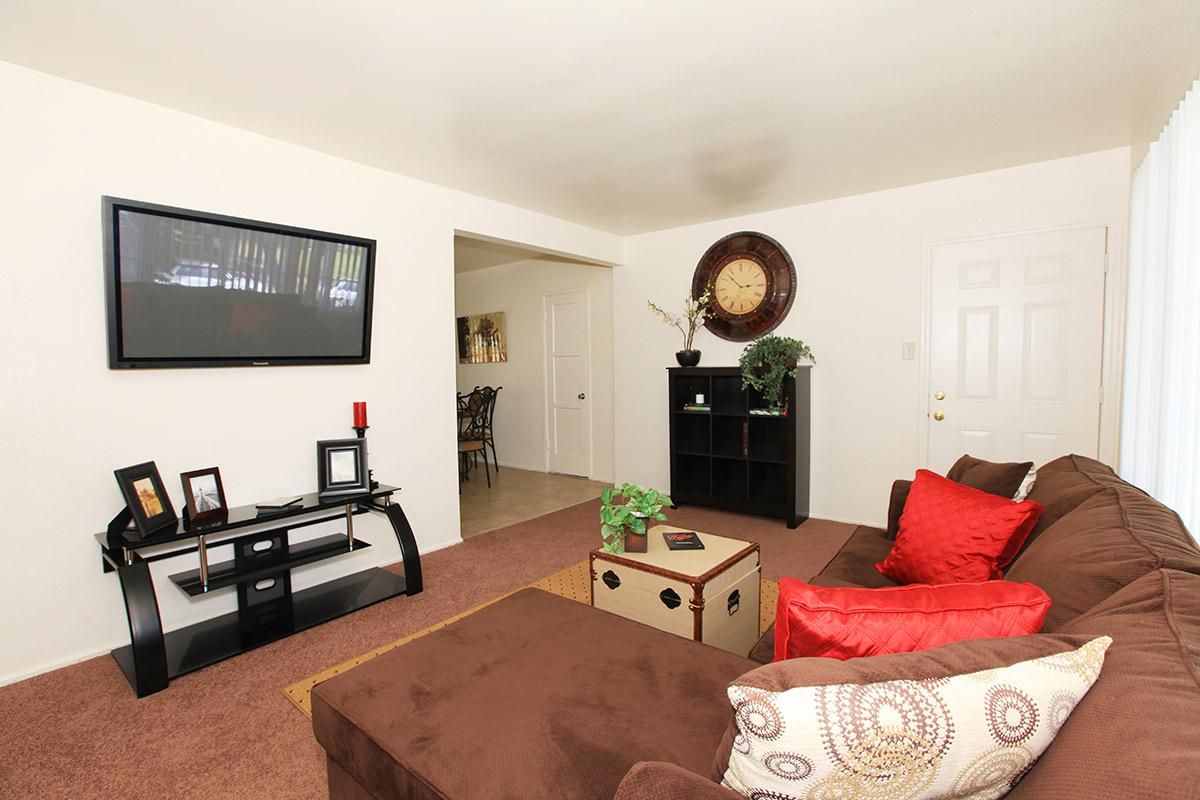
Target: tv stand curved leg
{"type": "Point", "coordinates": [144, 662]}
{"type": "Point", "coordinates": [408, 548]}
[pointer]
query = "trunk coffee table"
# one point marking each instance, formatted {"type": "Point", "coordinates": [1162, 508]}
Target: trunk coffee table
{"type": "Point", "coordinates": [709, 595]}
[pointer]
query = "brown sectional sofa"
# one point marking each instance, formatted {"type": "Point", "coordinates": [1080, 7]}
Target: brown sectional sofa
{"type": "Point", "coordinates": [541, 697]}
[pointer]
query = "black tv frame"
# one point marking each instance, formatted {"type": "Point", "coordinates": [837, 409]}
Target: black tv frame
{"type": "Point", "coordinates": [117, 360]}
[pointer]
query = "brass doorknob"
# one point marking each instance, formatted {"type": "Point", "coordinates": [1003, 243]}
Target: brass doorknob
{"type": "Point", "coordinates": [939, 416]}
{"type": "Point", "coordinates": [939, 395]}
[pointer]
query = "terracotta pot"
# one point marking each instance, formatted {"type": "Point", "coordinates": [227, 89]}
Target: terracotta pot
{"type": "Point", "coordinates": [688, 358]}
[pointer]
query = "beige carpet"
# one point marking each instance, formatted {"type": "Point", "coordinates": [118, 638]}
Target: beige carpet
{"type": "Point", "coordinates": [571, 583]}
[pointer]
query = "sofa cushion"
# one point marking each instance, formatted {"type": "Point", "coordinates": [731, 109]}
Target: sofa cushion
{"type": "Point", "coordinates": [1115, 537]}
{"type": "Point", "coordinates": [1065, 483]}
{"type": "Point", "coordinates": [1000, 479]}
{"type": "Point", "coordinates": [1135, 734]}
{"type": "Point", "coordinates": [971, 735]}
{"type": "Point", "coordinates": [854, 564]}
{"type": "Point", "coordinates": [950, 533]}
{"type": "Point", "coordinates": [847, 623]}
{"type": "Point", "coordinates": [934, 665]}
{"type": "Point", "coordinates": [534, 696]}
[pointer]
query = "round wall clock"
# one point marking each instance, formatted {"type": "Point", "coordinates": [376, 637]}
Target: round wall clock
{"type": "Point", "coordinates": [752, 282]}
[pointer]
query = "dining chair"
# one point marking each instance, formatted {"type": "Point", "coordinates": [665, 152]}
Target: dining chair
{"type": "Point", "coordinates": [490, 395]}
{"type": "Point", "coordinates": [472, 420]}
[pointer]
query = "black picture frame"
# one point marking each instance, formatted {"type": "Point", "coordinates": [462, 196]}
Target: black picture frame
{"type": "Point", "coordinates": [199, 502]}
{"type": "Point", "coordinates": [146, 498]}
{"type": "Point", "coordinates": [342, 467]}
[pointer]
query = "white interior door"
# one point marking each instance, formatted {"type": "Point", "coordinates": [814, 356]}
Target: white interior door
{"type": "Point", "coordinates": [1015, 347]}
{"type": "Point", "coordinates": [568, 439]}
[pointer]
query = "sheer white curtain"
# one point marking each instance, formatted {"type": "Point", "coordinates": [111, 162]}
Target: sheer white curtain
{"type": "Point", "coordinates": [1160, 425]}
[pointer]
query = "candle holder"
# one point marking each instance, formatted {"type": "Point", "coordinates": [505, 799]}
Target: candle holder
{"type": "Point", "coordinates": [362, 434]}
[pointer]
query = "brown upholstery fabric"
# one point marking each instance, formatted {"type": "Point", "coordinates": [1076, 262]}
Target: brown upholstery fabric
{"type": "Point", "coordinates": [936, 662]}
{"type": "Point", "coordinates": [899, 497]}
{"type": "Point", "coordinates": [533, 697]}
{"type": "Point", "coordinates": [343, 786]}
{"type": "Point", "coordinates": [1001, 479]}
{"type": "Point", "coordinates": [1064, 484]}
{"type": "Point", "coordinates": [1135, 734]}
{"type": "Point", "coordinates": [764, 649]}
{"type": "Point", "coordinates": [655, 780]}
{"type": "Point", "coordinates": [1109, 541]}
{"type": "Point", "coordinates": [855, 562]}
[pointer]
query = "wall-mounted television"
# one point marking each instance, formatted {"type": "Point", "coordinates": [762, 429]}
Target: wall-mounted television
{"type": "Point", "coordinates": [193, 289]}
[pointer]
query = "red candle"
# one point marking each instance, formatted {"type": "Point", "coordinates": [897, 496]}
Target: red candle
{"type": "Point", "coordinates": [360, 415]}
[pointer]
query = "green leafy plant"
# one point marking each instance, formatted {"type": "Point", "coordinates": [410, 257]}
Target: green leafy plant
{"type": "Point", "coordinates": [695, 310]}
{"type": "Point", "coordinates": [628, 508]}
{"type": "Point", "coordinates": [766, 362]}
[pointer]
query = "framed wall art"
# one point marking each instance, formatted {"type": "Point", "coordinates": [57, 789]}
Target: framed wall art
{"type": "Point", "coordinates": [481, 338]}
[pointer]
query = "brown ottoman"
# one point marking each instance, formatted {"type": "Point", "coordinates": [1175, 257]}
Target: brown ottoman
{"type": "Point", "coordinates": [533, 697]}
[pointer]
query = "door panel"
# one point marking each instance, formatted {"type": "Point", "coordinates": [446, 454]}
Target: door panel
{"type": "Point", "coordinates": [567, 370]}
{"type": "Point", "coordinates": [1016, 337]}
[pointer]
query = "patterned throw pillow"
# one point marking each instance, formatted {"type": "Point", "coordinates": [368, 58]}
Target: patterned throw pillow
{"type": "Point", "coordinates": [968, 736]}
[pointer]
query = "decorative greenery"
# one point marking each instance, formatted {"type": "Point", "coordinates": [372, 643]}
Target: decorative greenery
{"type": "Point", "coordinates": [766, 362]}
{"type": "Point", "coordinates": [640, 504]}
{"type": "Point", "coordinates": [695, 310]}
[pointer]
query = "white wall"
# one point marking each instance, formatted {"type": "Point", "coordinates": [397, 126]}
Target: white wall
{"type": "Point", "coordinates": [860, 262]}
{"type": "Point", "coordinates": [69, 420]}
{"type": "Point", "coordinates": [518, 289]}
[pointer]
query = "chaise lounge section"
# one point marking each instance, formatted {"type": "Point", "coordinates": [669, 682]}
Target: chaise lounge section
{"type": "Point", "coordinates": [540, 697]}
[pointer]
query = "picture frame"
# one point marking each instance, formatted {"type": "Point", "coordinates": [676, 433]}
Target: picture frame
{"type": "Point", "coordinates": [146, 498]}
{"type": "Point", "coordinates": [204, 494]}
{"type": "Point", "coordinates": [342, 467]}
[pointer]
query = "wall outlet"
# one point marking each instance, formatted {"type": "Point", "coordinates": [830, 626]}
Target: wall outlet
{"type": "Point", "coordinates": [908, 350]}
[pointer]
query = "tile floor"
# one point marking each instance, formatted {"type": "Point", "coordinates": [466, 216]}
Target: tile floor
{"type": "Point", "coordinates": [517, 495]}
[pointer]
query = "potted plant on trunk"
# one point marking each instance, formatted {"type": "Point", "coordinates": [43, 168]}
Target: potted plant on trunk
{"type": "Point", "coordinates": [624, 513]}
{"type": "Point", "coordinates": [694, 312]}
{"type": "Point", "coordinates": [766, 362]}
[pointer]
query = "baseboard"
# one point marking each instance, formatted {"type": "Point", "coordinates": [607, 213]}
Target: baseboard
{"type": "Point", "coordinates": [843, 520]}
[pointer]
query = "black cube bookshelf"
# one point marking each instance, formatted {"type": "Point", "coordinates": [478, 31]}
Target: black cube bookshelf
{"type": "Point", "coordinates": [732, 455]}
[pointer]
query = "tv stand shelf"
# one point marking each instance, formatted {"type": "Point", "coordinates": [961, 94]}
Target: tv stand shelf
{"type": "Point", "coordinates": [263, 558]}
{"type": "Point", "coordinates": [231, 573]}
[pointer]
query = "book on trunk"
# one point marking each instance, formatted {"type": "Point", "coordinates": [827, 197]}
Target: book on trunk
{"type": "Point", "coordinates": [683, 540]}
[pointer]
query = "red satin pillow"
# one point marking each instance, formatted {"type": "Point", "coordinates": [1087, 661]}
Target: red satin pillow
{"type": "Point", "coordinates": [950, 533]}
{"type": "Point", "coordinates": [847, 623]}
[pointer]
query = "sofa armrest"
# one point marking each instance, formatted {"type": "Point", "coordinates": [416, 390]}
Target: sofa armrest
{"type": "Point", "coordinates": [658, 780]}
{"type": "Point", "coordinates": [900, 491]}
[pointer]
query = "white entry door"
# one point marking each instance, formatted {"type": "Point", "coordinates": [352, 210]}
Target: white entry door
{"type": "Point", "coordinates": [1016, 340]}
{"type": "Point", "coordinates": [568, 440]}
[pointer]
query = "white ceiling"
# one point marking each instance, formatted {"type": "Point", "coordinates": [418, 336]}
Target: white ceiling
{"type": "Point", "coordinates": [471, 254]}
{"type": "Point", "coordinates": [630, 115]}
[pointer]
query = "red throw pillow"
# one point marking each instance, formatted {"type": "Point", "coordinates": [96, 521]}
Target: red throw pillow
{"type": "Point", "coordinates": [950, 533]}
{"type": "Point", "coordinates": [846, 623]}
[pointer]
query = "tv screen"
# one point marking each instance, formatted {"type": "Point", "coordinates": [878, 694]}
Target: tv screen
{"type": "Point", "coordinates": [191, 289]}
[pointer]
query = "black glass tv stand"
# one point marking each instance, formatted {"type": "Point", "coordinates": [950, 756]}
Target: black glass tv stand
{"type": "Point", "coordinates": [260, 568]}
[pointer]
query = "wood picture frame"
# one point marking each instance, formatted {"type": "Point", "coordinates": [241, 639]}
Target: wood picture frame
{"type": "Point", "coordinates": [204, 494]}
{"type": "Point", "coordinates": [146, 498]}
{"type": "Point", "coordinates": [342, 467]}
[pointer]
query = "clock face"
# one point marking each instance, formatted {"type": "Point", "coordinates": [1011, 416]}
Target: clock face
{"type": "Point", "coordinates": [751, 283]}
{"type": "Point", "coordinates": [740, 287]}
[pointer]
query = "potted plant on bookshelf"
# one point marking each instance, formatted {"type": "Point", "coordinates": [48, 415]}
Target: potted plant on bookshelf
{"type": "Point", "coordinates": [695, 309]}
{"type": "Point", "coordinates": [624, 514]}
{"type": "Point", "coordinates": [766, 362]}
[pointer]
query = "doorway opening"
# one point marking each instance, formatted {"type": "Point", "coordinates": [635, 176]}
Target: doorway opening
{"type": "Point", "coordinates": [533, 343]}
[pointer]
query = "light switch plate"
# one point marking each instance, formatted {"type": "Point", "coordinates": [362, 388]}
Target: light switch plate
{"type": "Point", "coordinates": [908, 350]}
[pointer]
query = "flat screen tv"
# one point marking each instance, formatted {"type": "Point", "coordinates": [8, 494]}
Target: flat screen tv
{"type": "Point", "coordinates": [191, 289]}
